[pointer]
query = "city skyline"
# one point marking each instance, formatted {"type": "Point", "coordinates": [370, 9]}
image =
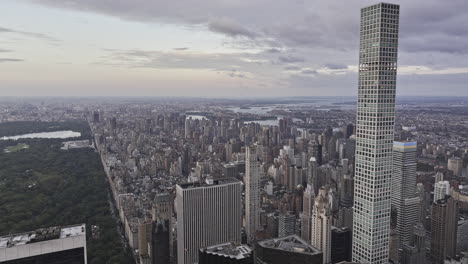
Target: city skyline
{"type": "Point", "coordinates": [189, 132]}
{"type": "Point", "coordinates": [220, 49]}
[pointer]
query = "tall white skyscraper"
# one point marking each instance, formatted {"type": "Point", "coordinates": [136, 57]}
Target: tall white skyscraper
{"type": "Point", "coordinates": [375, 132]}
{"type": "Point", "coordinates": [405, 199]}
{"type": "Point", "coordinates": [208, 213]}
{"type": "Point", "coordinates": [252, 192]}
{"type": "Point", "coordinates": [321, 224]}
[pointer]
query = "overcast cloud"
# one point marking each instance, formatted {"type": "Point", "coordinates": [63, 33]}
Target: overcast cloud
{"type": "Point", "coordinates": [301, 44]}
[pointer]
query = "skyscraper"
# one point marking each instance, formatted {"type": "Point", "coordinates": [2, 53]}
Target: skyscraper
{"type": "Point", "coordinates": [375, 132]}
{"type": "Point", "coordinates": [321, 224]}
{"type": "Point", "coordinates": [208, 213]}
{"type": "Point", "coordinates": [404, 196]}
{"type": "Point", "coordinates": [307, 205]}
{"type": "Point", "coordinates": [438, 234]}
{"type": "Point", "coordinates": [252, 192]}
{"type": "Point", "coordinates": [444, 222]}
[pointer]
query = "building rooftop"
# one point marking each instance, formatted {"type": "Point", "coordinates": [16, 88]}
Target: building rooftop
{"type": "Point", "coordinates": [40, 235]}
{"type": "Point", "coordinates": [208, 183]}
{"type": "Point", "coordinates": [405, 146]}
{"type": "Point", "coordinates": [230, 250]}
{"type": "Point", "coordinates": [290, 243]}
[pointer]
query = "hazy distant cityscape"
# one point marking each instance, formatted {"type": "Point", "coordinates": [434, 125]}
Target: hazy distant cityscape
{"type": "Point", "coordinates": [374, 178]}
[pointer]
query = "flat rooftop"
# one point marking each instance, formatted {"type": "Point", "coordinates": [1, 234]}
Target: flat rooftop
{"type": "Point", "coordinates": [290, 243]}
{"type": "Point", "coordinates": [43, 234]}
{"type": "Point", "coordinates": [230, 250]}
{"type": "Point", "coordinates": [215, 182]}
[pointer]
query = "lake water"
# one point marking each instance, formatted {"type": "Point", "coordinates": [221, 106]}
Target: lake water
{"type": "Point", "coordinates": [55, 134]}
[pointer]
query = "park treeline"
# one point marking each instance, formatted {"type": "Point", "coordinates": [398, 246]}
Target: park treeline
{"type": "Point", "coordinates": [45, 186]}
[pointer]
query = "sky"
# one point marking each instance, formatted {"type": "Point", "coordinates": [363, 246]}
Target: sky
{"type": "Point", "coordinates": [220, 48]}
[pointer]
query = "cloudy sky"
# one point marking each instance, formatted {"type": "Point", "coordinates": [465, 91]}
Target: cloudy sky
{"type": "Point", "coordinates": [220, 47]}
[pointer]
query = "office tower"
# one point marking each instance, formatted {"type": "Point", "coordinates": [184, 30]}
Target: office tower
{"type": "Point", "coordinates": [374, 132]}
{"type": "Point", "coordinates": [53, 245]}
{"type": "Point", "coordinates": [441, 189]}
{"type": "Point", "coordinates": [290, 249]}
{"type": "Point", "coordinates": [208, 213]}
{"type": "Point", "coordinates": [407, 217]}
{"type": "Point", "coordinates": [341, 244]}
{"type": "Point", "coordinates": [252, 192]}
{"type": "Point", "coordinates": [227, 253]}
{"type": "Point", "coordinates": [286, 224]}
{"type": "Point", "coordinates": [455, 165]}
{"type": "Point", "coordinates": [404, 197]}
{"type": "Point", "coordinates": [307, 205]}
{"type": "Point", "coordinates": [162, 242]}
{"type": "Point", "coordinates": [444, 223]}
{"type": "Point", "coordinates": [321, 224]}
{"type": "Point", "coordinates": [404, 172]}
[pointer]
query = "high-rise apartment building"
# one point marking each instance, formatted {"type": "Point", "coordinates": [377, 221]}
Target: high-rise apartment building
{"type": "Point", "coordinates": [208, 213]}
{"type": "Point", "coordinates": [441, 189]}
{"type": "Point", "coordinates": [252, 192]}
{"type": "Point", "coordinates": [321, 224]}
{"type": "Point", "coordinates": [53, 245]}
{"type": "Point", "coordinates": [375, 132]}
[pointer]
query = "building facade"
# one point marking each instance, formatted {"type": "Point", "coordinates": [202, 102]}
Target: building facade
{"type": "Point", "coordinates": [405, 199]}
{"type": "Point", "coordinates": [307, 205]}
{"type": "Point", "coordinates": [341, 244]}
{"type": "Point", "coordinates": [252, 192]}
{"type": "Point", "coordinates": [208, 213]}
{"type": "Point", "coordinates": [375, 132]}
{"type": "Point", "coordinates": [321, 224]}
